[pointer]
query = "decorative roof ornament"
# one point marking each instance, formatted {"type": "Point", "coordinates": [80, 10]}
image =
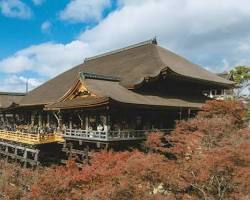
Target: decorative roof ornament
{"type": "Point", "coordinates": [151, 41]}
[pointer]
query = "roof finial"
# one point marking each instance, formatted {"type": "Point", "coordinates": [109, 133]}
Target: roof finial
{"type": "Point", "coordinates": [151, 41]}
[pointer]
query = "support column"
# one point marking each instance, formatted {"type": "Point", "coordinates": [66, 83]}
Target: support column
{"type": "Point", "coordinates": [180, 113]}
{"type": "Point", "coordinates": [25, 157]}
{"type": "Point", "coordinates": [40, 120]}
{"type": "Point", "coordinates": [211, 94]}
{"type": "Point", "coordinates": [36, 157]}
{"type": "Point", "coordinates": [58, 117]}
{"type": "Point", "coordinates": [15, 153]}
{"type": "Point", "coordinates": [87, 123]}
{"type": "Point", "coordinates": [32, 119]}
{"type": "Point", "coordinates": [48, 119]}
{"type": "Point", "coordinates": [81, 120]}
{"type": "Point", "coordinates": [103, 119]}
{"type": "Point", "coordinates": [70, 124]}
{"type": "Point", "coordinates": [7, 152]}
{"type": "Point", "coordinates": [60, 121]}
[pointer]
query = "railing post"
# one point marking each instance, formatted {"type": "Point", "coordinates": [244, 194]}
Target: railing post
{"type": "Point", "coordinates": [39, 137]}
{"type": "Point", "coordinates": [119, 133]}
{"type": "Point", "coordinates": [25, 157]}
{"type": "Point", "coordinates": [106, 134]}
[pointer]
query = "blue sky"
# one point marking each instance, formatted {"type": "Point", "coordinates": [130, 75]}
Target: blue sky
{"type": "Point", "coordinates": [19, 33]}
{"type": "Point", "coordinates": [41, 38]}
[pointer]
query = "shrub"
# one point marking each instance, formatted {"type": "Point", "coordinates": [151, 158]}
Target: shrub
{"type": "Point", "coordinates": [234, 110]}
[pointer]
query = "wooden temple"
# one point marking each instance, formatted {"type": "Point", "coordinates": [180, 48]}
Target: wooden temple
{"type": "Point", "coordinates": [111, 101]}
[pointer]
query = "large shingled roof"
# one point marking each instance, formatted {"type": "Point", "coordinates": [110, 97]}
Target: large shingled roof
{"type": "Point", "coordinates": [8, 98]}
{"type": "Point", "coordinates": [131, 64]}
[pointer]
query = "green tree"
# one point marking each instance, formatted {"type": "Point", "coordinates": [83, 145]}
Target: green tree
{"type": "Point", "coordinates": [241, 75]}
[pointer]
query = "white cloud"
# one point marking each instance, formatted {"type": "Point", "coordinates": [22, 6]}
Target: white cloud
{"type": "Point", "coordinates": [18, 83]}
{"type": "Point", "coordinates": [46, 59]}
{"type": "Point", "coordinates": [37, 2]}
{"type": "Point", "coordinates": [212, 33]}
{"type": "Point", "coordinates": [46, 26]}
{"type": "Point", "coordinates": [15, 8]}
{"type": "Point", "coordinates": [204, 31]}
{"type": "Point", "coordinates": [84, 10]}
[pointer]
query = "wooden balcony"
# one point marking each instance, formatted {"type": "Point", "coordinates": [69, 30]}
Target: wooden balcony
{"type": "Point", "coordinates": [29, 138]}
{"type": "Point", "coordinates": [107, 136]}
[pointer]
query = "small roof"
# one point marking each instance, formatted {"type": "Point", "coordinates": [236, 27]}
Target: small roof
{"type": "Point", "coordinates": [132, 65]}
{"type": "Point", "coordinates": [9, 98]}
{"type": "Point", "coordinates": [108, 90]}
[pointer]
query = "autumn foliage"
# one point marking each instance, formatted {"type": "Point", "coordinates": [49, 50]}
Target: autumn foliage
{"type": "Point", "coordinates": [207, 157]}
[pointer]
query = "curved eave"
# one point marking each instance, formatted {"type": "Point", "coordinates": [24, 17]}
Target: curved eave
{"type": "Point", "coordinates": [151, 106]}
{"type": "Point", "coordinates": [66, 105]}
{"type": "Point", "coordinates": [52, 107]}
{"type": "Point", "coordinates": [169, 71]}
{"type": "Point", "coordinates": [231, 84]}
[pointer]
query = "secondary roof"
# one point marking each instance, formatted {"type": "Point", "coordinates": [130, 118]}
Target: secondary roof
{"type": "Point", "coordinates": [108, 90]}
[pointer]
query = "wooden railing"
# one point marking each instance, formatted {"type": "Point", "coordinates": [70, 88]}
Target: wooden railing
{"type": "Point", "coordinates": [107, 135]}
{"type": "Point", "coordinates": [29, 138]}
{"type": "Point", "coordinates": [84, 134]}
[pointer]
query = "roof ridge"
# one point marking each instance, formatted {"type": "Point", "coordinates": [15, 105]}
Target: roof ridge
{"type": "Point", "coordinates": [151, 41]}
{"type": "Point", "coordinates": [88, 75]}
{"type": "Point", "coordinates": [13, 93]}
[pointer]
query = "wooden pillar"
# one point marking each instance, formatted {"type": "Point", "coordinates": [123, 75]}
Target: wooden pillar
{"type": "Point", "coordinates": [70, 120]}
{"type": "Point", "coordinates": [87, 123]}
{"type": "Point", "coordinates": [81, 120]}
{"type": "Point", "coordinates": [32, 119]}
{"type": "Point", "coordinates": [60, 120]}
{"type": "Point", "coordinates": [15, 153]}
{"type": "Point", "coordinates": [180, 113]}
{"type": "Point", "coordinates": [58, 117]}
{"type": "Point", "coordinates": [48, 119]}
{"type": "Point", "coordinates": [70, 124]}
{"type": "Point", "coordinates": [25, 155]}
{"type": "Point", "coordinates": [7, 152]}
{"type": "Point", "coordinates": [211, 94]}
{"type": "Point", "coordinates": [189, 113]}
{"type": "Point", "coordinates": [106, 125]}
{"type": "Point", "coordinates": [40, 120]}
{"type": "Point", "coordinates": [36, 157]}
{"type": "Point", "coordinates": [106, 147]}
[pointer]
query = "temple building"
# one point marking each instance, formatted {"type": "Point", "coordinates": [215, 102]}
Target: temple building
{"type": "Point", "coordinates": [117, 97]}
